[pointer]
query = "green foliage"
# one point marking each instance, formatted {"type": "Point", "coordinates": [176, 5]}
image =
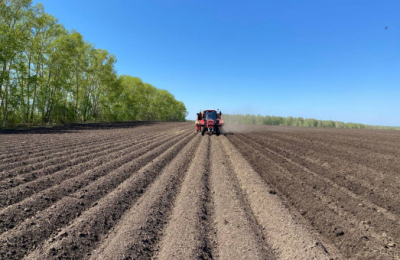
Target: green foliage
{"type": "Point", "coordinates": [49, 75]}
{"type": "Point", "coordinates": [143, 101]}
{"type": "Point", "coordinates": [297, 121]}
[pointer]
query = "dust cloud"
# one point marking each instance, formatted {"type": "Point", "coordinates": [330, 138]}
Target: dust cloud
{"type": "Point", "coordinates": [231, 128]}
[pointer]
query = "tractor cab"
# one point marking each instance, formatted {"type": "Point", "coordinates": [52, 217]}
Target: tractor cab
{"type": "Point", "coordinates": [210, 115]}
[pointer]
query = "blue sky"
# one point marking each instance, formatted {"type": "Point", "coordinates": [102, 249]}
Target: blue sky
{"type": "Point", "coordinates": [323, 59]}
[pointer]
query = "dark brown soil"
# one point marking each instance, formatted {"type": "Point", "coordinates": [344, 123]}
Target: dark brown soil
{"type": "Point", "coordinates": [141, 190]}
{"type": "Point", "coordinates": [345, 183]}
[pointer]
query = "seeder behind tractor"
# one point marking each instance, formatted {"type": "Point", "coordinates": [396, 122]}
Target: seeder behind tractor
{"type": "Point", "coordinates": [209, 121]}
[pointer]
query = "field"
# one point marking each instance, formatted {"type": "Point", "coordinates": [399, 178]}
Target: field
{"type": "Point", "coordinates": [159, 190]}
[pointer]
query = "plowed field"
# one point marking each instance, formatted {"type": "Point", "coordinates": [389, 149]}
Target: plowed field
{"type": "Point", "coordinates": [142, 190]}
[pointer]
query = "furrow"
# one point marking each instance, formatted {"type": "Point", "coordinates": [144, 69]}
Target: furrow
{"type": "Point", "coordinates": [103, 152]}
{"type": "Point", "coordinates": [185, 236]}
{"type": "Point", "coordinates": [60, 162]}
{"type": "Point", "coordinates": [71, 139]}
{"type": "Point", "coordinates": [302, 190]}
{"type": "Point", "coordinates": [370, 209]}
{"type": "Point", "coordinates": [74, 139]}
{"type": "Point", "coordinates": [87, 231]}
{"type": "Point", "coordinates": [340, 138]}
{"type": "Point", "coordinates": [238, 233]}
{"type": "Point", "coordinates": [48, 154]}
{"type": "Point", "coordinates": [208, 219]}
{"type": "Point", "coordinates": [100, 214]}
{"type": "Point", "coordinates": [355, 177]}
{"type": "Point", "coordinates": [59, 142]}
{"type": "Point", "coordinates": [354, 155]}
{"type": "Point", "coordinates": [71, 136]}
{"type": "Point", "coordinates": [13, 195]}
{"type": "Point", "coordinates": [282, 230]}
{"type": "Point", "coordinates": [120, 169]}
{"type": "Point", "coordinates": [39, 143]}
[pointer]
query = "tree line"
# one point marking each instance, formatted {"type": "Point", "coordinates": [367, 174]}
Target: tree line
{"type": "Point", "coordinates": [50, 75]}
{"type": "Point", "coordinates": [297, 121]}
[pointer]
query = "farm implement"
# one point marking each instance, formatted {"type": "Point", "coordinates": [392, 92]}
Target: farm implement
{"type": "Point", "coordinates": [209, 121]}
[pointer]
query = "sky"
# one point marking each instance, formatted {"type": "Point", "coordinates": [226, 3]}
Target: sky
{"type": "Point", "coordinates": [323, 59]}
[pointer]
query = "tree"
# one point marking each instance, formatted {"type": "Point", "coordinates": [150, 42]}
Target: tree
{"type": "Point", "coordinates": [49, 75]}
{"type": "Point", "coordinates": [14, 31]}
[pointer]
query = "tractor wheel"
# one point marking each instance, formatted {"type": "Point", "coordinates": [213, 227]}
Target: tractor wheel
{"type": "Point", "coordinates": [203, 130]}
{"type": "Point", "coordinates": [217, 131]}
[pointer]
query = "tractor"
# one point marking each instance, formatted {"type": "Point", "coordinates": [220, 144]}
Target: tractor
{"type": "Point", "coordinates": [209, 121]}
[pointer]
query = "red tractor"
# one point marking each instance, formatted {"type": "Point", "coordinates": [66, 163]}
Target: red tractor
{"type": "Point", "coordinates": [209, 121]}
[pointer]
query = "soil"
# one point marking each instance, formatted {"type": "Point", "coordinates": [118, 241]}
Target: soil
{"type": "Point", "coordinates": [142, 190]}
